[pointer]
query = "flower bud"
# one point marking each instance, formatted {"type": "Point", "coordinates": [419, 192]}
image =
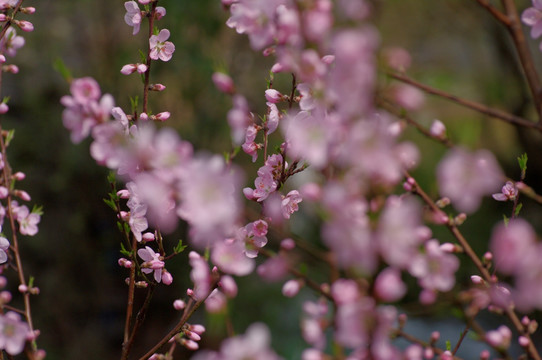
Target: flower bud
{"type": "Point", "coordinates": [273, 96]}
{"type": "Point", "coordinates": [291, 287]}
{"type": "Point", "coordinates": [223, 83]}
{"type": "Point", "coordinates": [24, 25]}
{"type": "Point", "coordinates": [179, 304]}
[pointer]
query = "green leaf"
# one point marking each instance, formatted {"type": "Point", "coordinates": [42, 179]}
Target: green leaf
{"type": "Point", "coordinates": [9, 136]}
{"type": "Point", "coordinates": [134, 102]}
{"type": "Point", "coordinates": [518, 209]}
{"type": "Point", "coordinates": [179, 248]}
{"type": "Point", "coordinates": [142, 56]}
{"type": "Point", "coordinates": [37, 210]}
{"type": "Point", "coordinates": [448, 345]}
{"type": "Point", "coordinates": [111, 204]}
{"type": "Point", "coordinates": [119, 226]}
{"type": "Point", "coordinates": [124, 252]}
{"type": "Point", "coordinates": [61, 67]}
{"type": "Point", "coordinates": [506, 220]}
{"type": "Point", "coordinates": [522, 160]}
{"type": "Point", "coordinates": [31, 282]}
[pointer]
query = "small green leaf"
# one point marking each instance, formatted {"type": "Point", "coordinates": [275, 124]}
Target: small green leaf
{"type": "Point", "coordinates": [119, 226]}
{"type": "Point", "coordinates": [124, 252]}
{"type": "Point", "coordinates": [31, 282]}
{"type": "Point", "coordinates": [179, 248]}
{"type": "Point", "coordinates": [111, 204]}
{"type": "Point", "coordinates": [448, 345]}
{"type": "Point", "coordinates": [506, 220]}
{"type": "Point", "coordinates": [518, 209]}
{"type": "Point", "coordinates": [37, 210]}
{"type": "Point", "coordinates": [61, 67]}
{"type": "Point", "coordinates": [134, 102]}
{"type": "Point", "coordinates": [9, 136]}
{"type": "Point", "coordinates": [142, 56]}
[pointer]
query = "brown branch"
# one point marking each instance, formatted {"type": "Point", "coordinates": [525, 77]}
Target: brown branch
{"type": "Point", "coordinates": [398, 112]}
{"type": "Point", "coordinates": [484, 109]}
{"type": "Point", "coordinates": [495, 12]}
{"type": "Point", "coordinates": [527, 63]}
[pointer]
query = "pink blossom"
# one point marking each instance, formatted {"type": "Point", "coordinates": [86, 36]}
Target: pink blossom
{"type": "Point", "coordinates": [239, 119]}
{"type": "Point", "coordinates": [499, 338]}
{"type": "Point", "coordinates": [397, 234]}
{"type": "Point", "coordinates": [11, 42]}
{"type": "Point", "coordinates": [290, 202]}
{"type": "Point", "coordinates": [273, 269]}
{"type": "Point", "coordinates": [160, 48]}
{"type": "Point", "coordinates": [138, 222]}
{"type": "Point", "coordinates": [435, 269]}
{"type": "Point", "coordinates": [397, 58]}
{"type": "Point", "coordinates": [466, 177]}
{"type": "Point", "coordinates": [223, 83]}
{"type": "Point", "coordinates": [533, 17]}
{"type": "Point", "coordinates": [4, 247]}
{"type": "Point", "coordinates": [28, 221]}
{"type": "Point", "coordinates": [13, 333]}
{"type": "Point", "coordinates": [508, 192]}
{"type": "Point", "coordinates": [230, 257]}
{"type": "Point", "coordinates": [273, 118]}
{"type": "Point", "coordinates": [200, 275]}
{"type": "Point", "coordinates": [273, 96]}
{"type": "Point", "coordinates": [388, 285]}
{"type": "Point", "coordinates": [511, 244]}
{"type": "Point", "coordinates": [255, 18]}
{"type": "Point", "coordinates": [152, 262]}
{"type": "Point", "coordinates": [133, 15]}
{"type": "Point", "coordinates": [210, 202]}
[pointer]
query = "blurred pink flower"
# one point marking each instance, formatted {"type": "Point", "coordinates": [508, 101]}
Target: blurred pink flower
{"type": "Point", "coordinates": [508, 192]}
{"type": "Point", "coordinates": [13, 333]}
{"type": "Point", "coordinates": [133, 15]}
{"type": "Point", "coordinates": [533, 17]}
{"type": "Point", "coordinates": [466, 177]}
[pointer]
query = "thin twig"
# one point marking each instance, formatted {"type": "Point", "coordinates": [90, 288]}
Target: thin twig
{"type": "Point", "coordinates": [484, 109]}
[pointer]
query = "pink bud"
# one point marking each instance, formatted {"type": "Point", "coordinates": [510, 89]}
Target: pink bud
{"type": "Point", "coordinates": [328, 59]}
{"type": "Point", "coordinates": [3, 17]}
{"type": "Point", "coordinates": [523, 341]}
{"type": "Point", "coordinates": [438, 129]}
{"type": "Point", "coordinates": [28, 10]}
{"type": "Point", "coordinates": [5, 297]}
{"type": "Point", "coordinates": [3, 108]}
{"type": "Point", "coordinates": [14, 69]}
{"type": "Point", "coordinates": [147, 237]}
{"type": "Point", "coordinates": [223, 83]}
{"type": "Point", "coordinates": [144, 2]}
{"type": "Point", "coordinates": [179, 304]}
{"type": "Point", "coordinates": [476, 279]}
{"type": "Point", "coordinates": [447, 247]}
{"type": "Point", "coordinates": [23, 288]}
{"type": "Point", "coordinates": [157, 87]}
{"type": "Point", "coordinates": [192, 335]}
{"type": "Point", "coordinates": [141, 68]}
{"type": "Point", "coordinates": [128, 69]}
{"type": "Point", "coordinates": [23, 195]}
{"type": "Point", "coordinates": [278, 67]}
{"type": "Point", "coordinates": [484, 355]}
{"type": "Point", "coordinates": [143, 117]}
{"type": "Point", "coordinates": [24, 25]}
{"type": "Point", "coordinates": [4, 192]}
{"type": "Point", "coordinates": [167, 279]}
{"type": "Point", "coordinates": [189, 344]}
{"type": "Point", "coordinates": [197, 328]}
{"type": "Point", "coordinates": [163, 116]}
{"type": "Point", "coordinates": [228, 286]}
{"type": "Point", "coordinates": [19, 176]}
{"type": "Point", "coordinates": [123, 194]}
{"type": "Point", "coordinates": [3, 282]}
{"type": "Point", "coordinates": [389, 286]}
{"type": "Point", "coordinates": [287, 244]}
{"type": "Point", "coordinates": [291, 288]}
{"type": "Point", "coordinates": [435, 336]}
{"type": "Point", "coordinates": [2, 59]}
{"type": "Point", "coordinates": [273, 96]}
{"type": "Point", "coordinates": [160, 12]}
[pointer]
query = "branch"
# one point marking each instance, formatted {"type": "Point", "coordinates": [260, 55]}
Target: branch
{"type": "Point", "coordinates": [527, 63]}
{"type": "Point", "coordinates": [496, 13]}
{"type": "Point", "coordinates": [484, 109]}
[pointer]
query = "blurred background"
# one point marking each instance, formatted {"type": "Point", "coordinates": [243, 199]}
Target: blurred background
{"type": "Point", "coordinates": [456, 46]}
